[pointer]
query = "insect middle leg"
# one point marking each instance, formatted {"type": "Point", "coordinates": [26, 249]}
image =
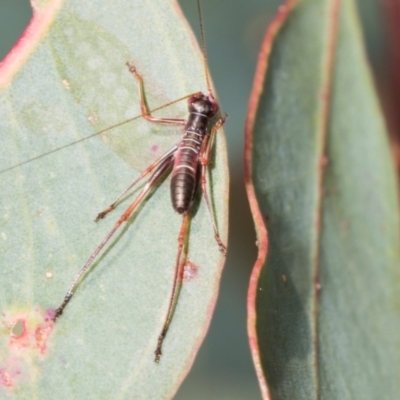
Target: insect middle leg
{"type": "Point", "coordinates": [205, 161]}
{"type": "Point", "coordinates": [158, 173]}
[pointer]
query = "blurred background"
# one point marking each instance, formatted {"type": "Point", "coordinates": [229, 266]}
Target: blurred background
{"type": "Point", "coordinates": [234, 30]}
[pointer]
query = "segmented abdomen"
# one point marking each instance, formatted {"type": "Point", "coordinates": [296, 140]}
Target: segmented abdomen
{"type": "Point", "coordinates": [184, 172]}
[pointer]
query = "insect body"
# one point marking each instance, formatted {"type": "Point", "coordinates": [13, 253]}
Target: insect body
{"type": "Point", "coordinates": [188, 160]}
{"type": "Point", "coordinates": [185, 171]}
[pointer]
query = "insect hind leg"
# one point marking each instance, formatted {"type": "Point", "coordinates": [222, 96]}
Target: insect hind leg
{"type": "Point", "coordinates": [177, 285]}
{"type": "Point", "coordinates": [147, 171]}
{"type": "Point", "coordinates": [157, 175]}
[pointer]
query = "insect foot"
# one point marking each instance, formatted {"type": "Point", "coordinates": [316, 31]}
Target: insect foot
{"type": "Point", "coordinates": [221, 246]}
{"type": "Point", "coordinates": [158, 351]}
{"type": "Point", "coordinates": [102, 214]}
{"type": "Point", "coordinates": [58, 312]}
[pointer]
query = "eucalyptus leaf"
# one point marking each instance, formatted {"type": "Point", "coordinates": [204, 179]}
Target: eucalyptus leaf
{"type": "Point", "coordinates": [324, 301]}
{"type": "Point", "coordinates": [65, 80]}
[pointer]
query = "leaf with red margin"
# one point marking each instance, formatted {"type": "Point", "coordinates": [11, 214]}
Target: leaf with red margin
{"type": "Point", "coordinates": [65, 80]}
{"type": "Point", "coordinates": [323, 304]}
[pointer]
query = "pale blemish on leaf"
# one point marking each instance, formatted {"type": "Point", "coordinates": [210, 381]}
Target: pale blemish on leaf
{"type": "Point", "coordinates": [66, 84]}
{"type": "Point", "coordinates": [5, 378]}
{"type": "Point", "coordinates": [49, 274]}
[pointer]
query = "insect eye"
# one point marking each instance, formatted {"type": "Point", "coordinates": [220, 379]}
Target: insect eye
{"type": "Point", "coordinates": [215, 107]}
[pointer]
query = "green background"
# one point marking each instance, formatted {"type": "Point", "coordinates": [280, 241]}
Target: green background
{"type": "Point", "coordinates": [234, 30]}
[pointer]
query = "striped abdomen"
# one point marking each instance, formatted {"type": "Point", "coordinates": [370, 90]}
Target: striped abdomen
{"type": "Point", "coordinates": [185, 171]}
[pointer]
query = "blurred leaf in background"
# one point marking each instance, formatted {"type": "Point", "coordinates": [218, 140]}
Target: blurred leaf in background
{"type": "Point", "coordinates": [324, 303]}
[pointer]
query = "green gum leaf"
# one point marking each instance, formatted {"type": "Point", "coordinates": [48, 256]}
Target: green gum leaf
{"type": "Point", "coordinates": [72, 82]}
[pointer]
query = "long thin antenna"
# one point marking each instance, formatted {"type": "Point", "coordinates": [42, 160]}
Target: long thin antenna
{"type": "Point", "coordinates": [203, 46]}
{"type": "Point", "coordinates": [90, 136]}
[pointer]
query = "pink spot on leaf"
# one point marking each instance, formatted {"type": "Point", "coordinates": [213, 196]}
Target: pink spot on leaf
{"type": "Point", "coordinates": [19, 337]}
{"type": "Point", "coordinates": [5, 378]}
{"type": "Point", "coordinates": [50, 314]}
{"type": "Point", "coordinates": [155, 148]}
{"type": "Point", "coordinates": [24, 338]}
{"type": "Point", "coordinates": [42, 334]}
{"type": "Point", "coordinates": [190, 271]}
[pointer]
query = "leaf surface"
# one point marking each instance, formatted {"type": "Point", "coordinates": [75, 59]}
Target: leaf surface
{"type": "Point", "coordinates": [65, 80]}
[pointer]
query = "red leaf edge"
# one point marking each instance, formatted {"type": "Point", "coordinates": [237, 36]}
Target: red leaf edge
{"type": "Point", "coordinates": [30, 38]}
{"type": "Point", "coordinates": [261, 231]}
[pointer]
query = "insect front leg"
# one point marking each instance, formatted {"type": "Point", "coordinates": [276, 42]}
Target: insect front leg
{"type": "Point", "coordinates": [143, 107]}
{"type": "Point", "coordinates": [137, 180]}
{"type": "Point", "coordinates": [205, 156]}
{"type": "Point", "coordinates": [176, 288]}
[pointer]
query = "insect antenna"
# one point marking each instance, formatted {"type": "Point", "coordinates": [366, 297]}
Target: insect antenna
{"type": "Point", "coordinates": [90, 136]}
{"type": "Point", "coordinates": [203, 46]}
